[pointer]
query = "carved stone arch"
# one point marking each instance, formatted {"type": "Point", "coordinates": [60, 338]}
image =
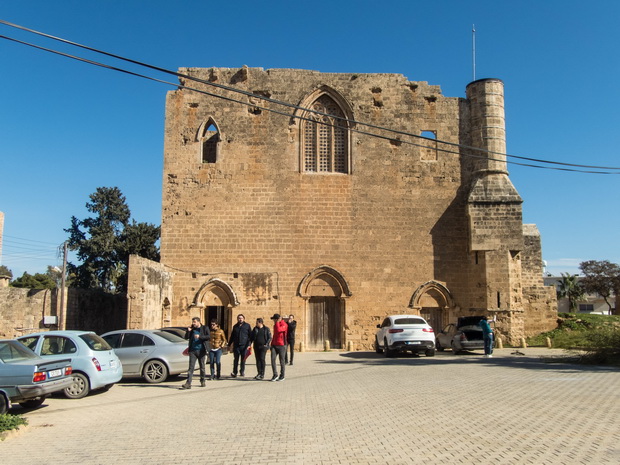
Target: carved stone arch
{"type": "Point", "coordinates": [309, 99]}
{"type": "Point", "coordinates": [204, 127]}
{"type": "Point", "coordinates": [433, 300]}
{"type": "Point", "coordinates": [209, 140]}
{"type": "Point", "coordinates": [324, 291]}
{"type": "Point", "coordinates": [324, 281]}
{"type": "Point", "coordinates": [216, 292]}
{"type": "Point", "coordinates": [323, 128]}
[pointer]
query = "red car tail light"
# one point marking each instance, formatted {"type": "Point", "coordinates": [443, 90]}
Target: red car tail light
{"type": "Point", "coordinates": [96, 363]}
{"type": "Point", "coordinates": [428, 330]}
{"type": "Point", "coordinates": [392, 331]}
{"type": "Point", "coordinates": [39, 376]}
{"type": "Point", "coordinates": [68, 370]}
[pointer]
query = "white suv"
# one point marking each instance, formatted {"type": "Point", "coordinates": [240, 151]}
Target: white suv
{"type": "Point", "coordinates": [400, 333]}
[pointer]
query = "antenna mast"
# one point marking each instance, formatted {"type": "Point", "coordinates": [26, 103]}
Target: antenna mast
{"type": "Point", "coordinates": [473, 47]}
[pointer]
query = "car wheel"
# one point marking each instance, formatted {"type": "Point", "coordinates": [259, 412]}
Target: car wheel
{"type": "Point", "coordinates": [386, 350]}
{"type": "Point", "coordinates": [438, 346]}
{"type": "Point", "coordinates": [80, 387]}
{"type": "Point", "coordinates": [378, 349]}
{"type": "Point", "coordinates": [32, 403]}
{"type": "Point", "coordinates": [455, 351]}
{"type": "Point", "coordinates": [155, 371]}
{"type": "Point", "coordinates": [4, 404]}
{"type": "Point", "coordinates": [430, 352]}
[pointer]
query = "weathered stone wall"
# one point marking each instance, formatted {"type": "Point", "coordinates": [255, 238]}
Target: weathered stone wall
{"type": "Point", "coordinates": [541, 307]}
{"type": "Point", "coordinates": [252, 225]}
{"type": "Point", "coordinates": [150, 294]}
{"type": "Point", "coordinates": [22, 310]}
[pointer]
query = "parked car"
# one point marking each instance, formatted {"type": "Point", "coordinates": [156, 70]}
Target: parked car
{"type": "Point", "coordinates": [26, 378]}
{"type": "Point", "coordinates": [401, 333]}
{"type": "Point", "coordinates": [95, 365]}
{"type": "Point", "coordinates": [465, 334]}
{"type": "Point", "coordinates": [151, 354]}
{"type": "Point", "coordinates": [176, 330]}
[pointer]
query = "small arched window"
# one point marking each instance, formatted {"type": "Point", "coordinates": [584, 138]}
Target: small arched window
{"type": "Point", "coordinates": [209, 143]}
{"type": "Point", "coordinates": [325, 138]}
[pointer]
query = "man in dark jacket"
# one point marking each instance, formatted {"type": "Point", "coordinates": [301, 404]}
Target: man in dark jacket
{"type": "Point", "coordinates": [198, 337]}
{"type": "Point", "coordinates": [261, 338]}
{"type": "Point", "coordinates": [239, 343]}
{"type": "Point", "coordinates": [292, 326]}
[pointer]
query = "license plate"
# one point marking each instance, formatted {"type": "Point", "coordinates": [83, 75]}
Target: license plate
{"type": "Point", "coordinates": [112, 363]}
{"type": "Point", "coordinates": [54, 373]}
{"type": "Point", "coordinates": [413, 342]}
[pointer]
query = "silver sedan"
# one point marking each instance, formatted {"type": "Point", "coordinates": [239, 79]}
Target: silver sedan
{"type": "Point", "coordinates": [151, 354]}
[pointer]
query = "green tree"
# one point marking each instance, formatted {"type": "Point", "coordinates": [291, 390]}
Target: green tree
{"type": "Point", "coordinates": [571, 289]}
{"type": "Point", "coordinates": [4, 271]}
{"type": "Point", "coordinates": [602, 278]}
{"type": "Point", "coordinates": [104, 242]}
{"type": "Point", "coordinates": [36, 281]}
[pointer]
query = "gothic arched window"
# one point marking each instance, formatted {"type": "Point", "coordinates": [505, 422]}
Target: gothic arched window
{"type": "Point", "coordinates": [325, 138]}
{"type": "Point", "coordinates": [209, 140]}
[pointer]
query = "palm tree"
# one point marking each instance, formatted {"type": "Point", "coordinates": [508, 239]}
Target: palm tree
{"type": "Point", "coordinates": [571, 289]}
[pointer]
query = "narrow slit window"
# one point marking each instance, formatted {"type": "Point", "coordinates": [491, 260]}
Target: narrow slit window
{"type": "Point", "coordinates": [209, 144]}
{"type": "Point", "coordinates": [428, 151]}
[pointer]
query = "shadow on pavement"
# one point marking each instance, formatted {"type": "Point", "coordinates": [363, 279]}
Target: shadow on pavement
{"type": "Point", "coordinates": [509, 358]}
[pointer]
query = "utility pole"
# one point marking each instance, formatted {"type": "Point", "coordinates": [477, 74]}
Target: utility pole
{"type": "Point", "coordinates": [62, 313]}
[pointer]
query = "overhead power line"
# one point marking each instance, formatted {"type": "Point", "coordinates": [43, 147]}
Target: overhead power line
{"type": "Point", "coordinates": [558, 166]}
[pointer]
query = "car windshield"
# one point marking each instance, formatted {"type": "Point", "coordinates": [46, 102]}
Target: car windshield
{"type": "Point", "coordinates": [169, 336]}
{"type": "Point", "coordinates": [95, 342]}
{"type": "Point", "coordinates": [14, 352]}
{"type": "Point", "coordinates": [409, 321]}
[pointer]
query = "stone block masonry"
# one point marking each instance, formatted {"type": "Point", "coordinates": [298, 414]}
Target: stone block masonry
{"type": "Point", "coordinates": [306, 213]}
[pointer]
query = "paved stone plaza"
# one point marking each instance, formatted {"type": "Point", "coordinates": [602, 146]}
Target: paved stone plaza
{"type": "Point", "coordinates": [344, 407]}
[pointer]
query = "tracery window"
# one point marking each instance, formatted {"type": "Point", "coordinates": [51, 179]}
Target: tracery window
{"type": "Point", "coordinates": [325, 138]}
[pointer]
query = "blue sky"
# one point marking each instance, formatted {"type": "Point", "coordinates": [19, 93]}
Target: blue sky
{"type": "Point", "coordinates": [68, 127]}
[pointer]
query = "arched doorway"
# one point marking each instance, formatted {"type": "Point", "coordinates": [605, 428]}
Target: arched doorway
{"type": "Point", "coordinates": [216, 299]}
{"type": "Point", "coordinates": [324, 290]}
{"type": "Point", "coordinates": [433, 300]}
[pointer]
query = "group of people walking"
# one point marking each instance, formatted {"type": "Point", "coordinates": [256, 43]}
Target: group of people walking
{"type": "Point", "coordinates": [203, 341]}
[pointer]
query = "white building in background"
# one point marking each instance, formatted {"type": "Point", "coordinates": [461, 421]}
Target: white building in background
{"type": "Point", "coordinates": [593, 303]}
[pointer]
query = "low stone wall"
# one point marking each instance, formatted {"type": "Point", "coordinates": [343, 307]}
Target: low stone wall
{"type": "Point", "coordinates": [22, 311]}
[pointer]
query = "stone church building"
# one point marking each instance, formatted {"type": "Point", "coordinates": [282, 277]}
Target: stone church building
{"type": "Point", "coordinates": [315, 209]}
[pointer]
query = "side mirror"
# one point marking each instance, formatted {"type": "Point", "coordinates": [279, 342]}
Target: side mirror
{"type": "Point", "coordinates": [379, 326]}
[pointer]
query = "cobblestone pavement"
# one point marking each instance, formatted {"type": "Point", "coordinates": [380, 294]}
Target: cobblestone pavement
{"type": "Point", "coordinates": [344, 407]}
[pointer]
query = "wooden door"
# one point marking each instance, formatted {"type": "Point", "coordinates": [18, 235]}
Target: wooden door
{"type": "Point", "coordinates": [434, 317]}
{"type": "Point", "coordinates": [325, 315]}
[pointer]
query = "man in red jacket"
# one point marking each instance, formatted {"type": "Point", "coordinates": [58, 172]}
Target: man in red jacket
{"type": "Point", "coordinates": [278, 346]}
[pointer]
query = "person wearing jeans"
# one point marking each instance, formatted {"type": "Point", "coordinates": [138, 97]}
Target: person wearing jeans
{"type": "Point", "coordinates": [198, 336]}
{"type": "Point", "coordinates": [218, 340]}
{"type": "Point", "coordinates": [278, 346]}
{"type": "Point", "coordinates": [487, 334]}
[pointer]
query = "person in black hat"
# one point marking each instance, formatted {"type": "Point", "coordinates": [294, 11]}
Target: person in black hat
{"type": "Point", "coordinates": [278, 346]}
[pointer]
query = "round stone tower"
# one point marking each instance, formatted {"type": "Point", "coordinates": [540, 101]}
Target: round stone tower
{"type": "Point", "coordinates": [488, 123]}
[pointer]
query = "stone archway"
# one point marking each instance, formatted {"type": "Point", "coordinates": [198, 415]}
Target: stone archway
{"type": "Point", "coordinates": [215, 300]}
{"type": "Point", "coordinates": [324, 290]}
{"type": "Point", "coordinates": [433, 301]}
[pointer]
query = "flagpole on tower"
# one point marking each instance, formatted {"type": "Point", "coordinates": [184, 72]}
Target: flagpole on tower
{"type": "Point", "coordinates": [473, 48]}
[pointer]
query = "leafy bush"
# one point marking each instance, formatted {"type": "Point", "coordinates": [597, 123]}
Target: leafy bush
{"type": "Point", "coordinates": [597, 337]}
{"type": "Point", "coordinates": [9, 422]}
